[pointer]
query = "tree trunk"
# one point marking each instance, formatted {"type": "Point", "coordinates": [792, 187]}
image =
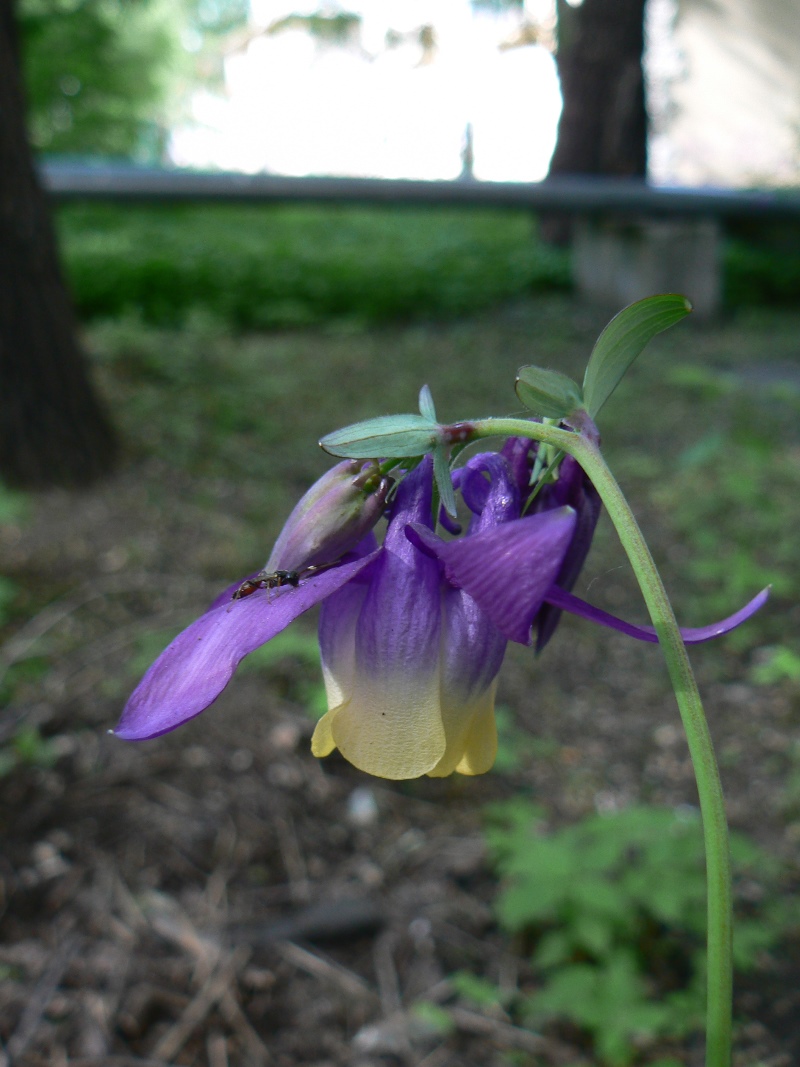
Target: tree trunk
{"type": "Point", "coordinates": [53, 430]}
{"type": "Point", "coordinates": [603, 125]}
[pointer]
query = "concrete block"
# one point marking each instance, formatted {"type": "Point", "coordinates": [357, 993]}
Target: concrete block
{"type": "Point", "coordinates": [618, 261]}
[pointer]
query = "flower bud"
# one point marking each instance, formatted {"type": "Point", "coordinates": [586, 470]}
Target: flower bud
{"type": "Point", "coordinates": [332, 517]}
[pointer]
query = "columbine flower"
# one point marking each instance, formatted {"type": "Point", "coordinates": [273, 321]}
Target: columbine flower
{"type": "Point", "coordinates": [410, 660]}
{"type": "Point", "coordinates": [413, 633]}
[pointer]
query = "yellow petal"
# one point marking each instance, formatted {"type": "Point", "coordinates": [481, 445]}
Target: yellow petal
{"type": "Point", "coordinates": [322, 743]}
{"type": "Point", "coordinates": [480, 750]}
{"type": "Point", "coordinates": [471, 736]}
{"type": "Point", "coordinates": [391, 727]}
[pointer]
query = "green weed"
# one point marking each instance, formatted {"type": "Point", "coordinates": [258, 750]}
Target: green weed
{"type": "Point", "coordinates": [302, 685]}
{"type": "Point", "coordinates": [614, 907]}
{"type": "Point", "coordinates": [8, 594]}
{"type": "Point", "coordinates": [27, 748]}
{"type": "Point", "coordinates": [778, 664]}
{"type": "Point", "coordinates": [732, 498]}
{"type": "Point", "coordinates": [14, 505]}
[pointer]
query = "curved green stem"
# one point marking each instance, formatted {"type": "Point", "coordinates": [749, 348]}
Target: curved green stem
{"type": "Point", "coordinates": [709, 787]}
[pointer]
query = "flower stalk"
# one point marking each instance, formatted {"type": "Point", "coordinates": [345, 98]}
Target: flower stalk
{"type": "Point", "coordinates": [712, 805]}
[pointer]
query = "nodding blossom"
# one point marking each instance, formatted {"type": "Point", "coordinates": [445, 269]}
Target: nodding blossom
{"type": "Point", "coordinates": [412, 633]}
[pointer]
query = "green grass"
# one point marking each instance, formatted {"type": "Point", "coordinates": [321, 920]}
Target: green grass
{"type": "Point", "coordinates": [274, 266]}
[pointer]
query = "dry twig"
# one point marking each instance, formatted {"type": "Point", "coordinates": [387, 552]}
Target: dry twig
{"type": "Point", "coordinates": [215, 987]}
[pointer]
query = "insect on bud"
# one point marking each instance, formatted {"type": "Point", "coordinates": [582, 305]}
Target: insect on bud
{"type": "Point", "coordinates": [332, 517]}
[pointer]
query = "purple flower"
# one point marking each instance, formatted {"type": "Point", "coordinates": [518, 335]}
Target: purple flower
{"type": "Point", "coordinates": [413, 633]}
{"type": "Point", "coordinates": [410, 660]}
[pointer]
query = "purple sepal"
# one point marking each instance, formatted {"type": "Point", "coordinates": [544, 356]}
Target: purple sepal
{"type": "Point", "coordinates": [367, 544]}
{"type": "Point", "coordinates": [192, 672]}
{"type": "Point", "coordinates": [691, 635]}
{"type": "Point", "coordinates": [507, 569]}
{"type": "Point", "coordinates": [226, 595]}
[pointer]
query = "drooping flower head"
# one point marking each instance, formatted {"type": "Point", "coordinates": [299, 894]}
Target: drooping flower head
{"type": "Point", "coordinates": [413, 632]}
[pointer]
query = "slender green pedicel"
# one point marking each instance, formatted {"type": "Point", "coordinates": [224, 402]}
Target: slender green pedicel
{"type": "Point", "coordinates": [709, 787]}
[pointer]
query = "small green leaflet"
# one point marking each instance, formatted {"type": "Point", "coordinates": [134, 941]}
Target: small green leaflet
{"type": "Point", "coordinates": [623, 339]}
{"type": "Point", "coordinates": [548, 393]}
{"type": "Point", "coordinates": [388, 435]}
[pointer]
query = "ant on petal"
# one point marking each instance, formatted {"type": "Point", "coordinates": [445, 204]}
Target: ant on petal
{"type": "Point", "coordinates": [276, 580]}
{"type": "Point", "coordinates": [265, 580]}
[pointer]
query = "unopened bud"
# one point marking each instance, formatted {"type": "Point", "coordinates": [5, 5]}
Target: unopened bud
{"type": "Point", "coordinates": [332, 517]}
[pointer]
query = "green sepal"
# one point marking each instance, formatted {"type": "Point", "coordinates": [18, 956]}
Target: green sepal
{"type": "Point", "coordinates": [623, 339]}
{"type": "Point", "coordinates": [548, 393]}
{"type": "Point", "coordinates": [426, 405]}
{"type": "Point", "coordinates": [444, 483]}
{"type": "Point", "coordinates": [387, 435]}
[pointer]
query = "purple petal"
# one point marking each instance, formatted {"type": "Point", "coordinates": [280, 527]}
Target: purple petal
{"type": "Point", "coordinates": [473, 648]}
{"type": "Point", "coordinates": [520, 453]}
{"type": "Point", "coordinates": [382, 658]}
{"type": "Point", "coordinates": [501, 501]}
{"type": "Point", "coordinates": [412, 503]}
{"type": "Point", "coordinates": [337, 626]}
{"type": "Point", "coordinates": [690, 635]}
{"type": "Point", "coordinates": [575, 489]}
{"type": "Point", "coordinates": [507, 569]}
{"type": "Point", "coordinates": [192, 672]}
{"type": "Point", "coordinates": [398, 626]}
{"type": "Point", "coordinates": [449, 524]}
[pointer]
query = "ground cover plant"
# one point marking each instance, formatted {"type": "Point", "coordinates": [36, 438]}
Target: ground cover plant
{"type": "Point", "coordinates": [278, 266]}
{"type": "Point", "coordinates": [287, 266]}
{"type": "Point", "coordinates": [615, 907]}
{"type": "Point", "coordinates": [148, 888]}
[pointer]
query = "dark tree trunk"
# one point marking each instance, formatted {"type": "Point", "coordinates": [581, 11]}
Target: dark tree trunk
{"type": "Point", "coordinates": [53, 430]}
{"type": "Point", "coordinates": [603, 125]}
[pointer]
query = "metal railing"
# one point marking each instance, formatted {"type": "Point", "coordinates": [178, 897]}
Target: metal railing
{"type": "Point", "coordinates": [571, 195]}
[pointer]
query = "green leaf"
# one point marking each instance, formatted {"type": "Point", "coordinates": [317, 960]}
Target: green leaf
{"type": "Point", "coordinates": [548, 393]}
{"type": "Point", "coordinates": [554, 949]}
{"type": "Point", "coordinates": [434, 1017]}
{"type": "Point", "coordinates": [388, 435]}
{"type": "Point", "coordinates": [478, 990]}
{"type": "Point", "coordinates": [623, 339]}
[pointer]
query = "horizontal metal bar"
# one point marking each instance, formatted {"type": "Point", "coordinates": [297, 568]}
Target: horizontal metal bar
{"type": "Point", "coordinates": [571, 195]}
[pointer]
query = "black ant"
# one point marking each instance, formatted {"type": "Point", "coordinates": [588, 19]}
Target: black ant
{"type": "Point", "coordinates": [276, 580]}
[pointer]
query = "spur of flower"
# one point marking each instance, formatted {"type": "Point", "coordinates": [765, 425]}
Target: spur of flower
{"type": "Point", "coordinates": [412, 631]}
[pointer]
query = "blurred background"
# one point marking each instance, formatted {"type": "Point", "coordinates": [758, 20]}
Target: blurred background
{"type": "Point", "coordinates": [390, 89]}
{"type": "Point", "coordinates": [217, 896]}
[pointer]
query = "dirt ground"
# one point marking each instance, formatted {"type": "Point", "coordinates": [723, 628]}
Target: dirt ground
{"type": "Point", "coordinates": [218, 896]}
